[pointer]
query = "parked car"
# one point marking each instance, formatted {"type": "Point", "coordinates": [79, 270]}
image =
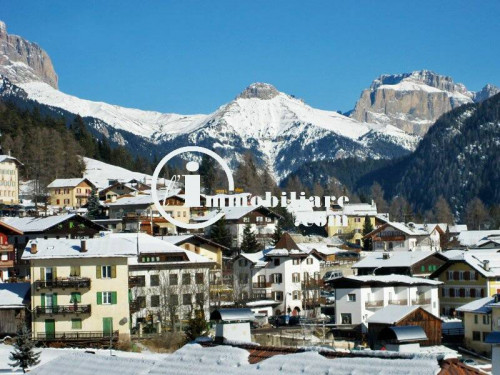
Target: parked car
{"type": "Point", "coordinates": [332, 275]}
{"type": "Point", "coordinates": [468, 362]}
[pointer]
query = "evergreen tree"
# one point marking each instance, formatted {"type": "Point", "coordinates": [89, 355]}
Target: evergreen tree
{"type": "Point", "coordinates": [197, 325]}
{"type": "Point", "coordinates": [367, 228]}
{"type": "Point", "coordinates": [249, 243]}
{"type": "Point", "coordinates": [278, 232]}
{"type": "Point", "coordinates": [208, 174]}
{"type": "Point", "coordinates": [24, 355]}
{"type": "Point", "coordinates": [476, 214]}
{"type": "Point", "coordinates": [220, 233]}
{"type": "Point", "coordinates": [93, 207]}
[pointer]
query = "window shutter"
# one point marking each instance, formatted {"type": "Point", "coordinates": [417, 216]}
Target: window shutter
{"type": "Point", "coordinates": [42, 274]}
{"type": "Point", "coordinates": [99, 298]}
{"type": "Point", "coordinates": [54, 273]}
{"type": "Point", "coordinates": [98, 272]}
{"type": "Point", "coordinates": [54, 299]}
{"type": "Point", "coordinates": [113, 272]}
{"type": "Point", "coordinates": [113, 298]}
{"type": "Point", "coordinates": [42, 296]}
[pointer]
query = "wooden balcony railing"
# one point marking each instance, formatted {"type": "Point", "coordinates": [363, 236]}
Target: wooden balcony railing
{"type": "Point", "coordinates": [77, 336]}
{"type": "Point", "coordinates": [70, 283]}
{"type": "Point", "coordinates": [6, 263]}
{"type": "Point", "coordinates": [63, 309]}
{"type": "Point", "coordinates": [421, 301]}
{"type": "Point", "coordinates": [312, 283]}
{"type": "Point", "coordinates": [261, 285]}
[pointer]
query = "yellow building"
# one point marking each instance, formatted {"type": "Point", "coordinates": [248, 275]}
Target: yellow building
{"type": "Point", "coordinates": [80, 288]}
{"type": "Point", "coordinates": [349, 221]}
{"type": "Point", "coordinates": [467, 276]}
{"type": "Point", "coordinates": [70, 192]}
{"type": "Point", "coordinates": [9, 179]}
{"type": "Point", "coordinates": [480, 318]}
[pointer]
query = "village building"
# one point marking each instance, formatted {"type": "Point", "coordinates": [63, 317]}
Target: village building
{"type": "Point", "coordinates": [394, 236]}
{"type": "Point", "coordinates": [480, 318]}
{"type": "Point", "coordinates": [7, 251]}
{"type": "Point", "coordinates": [471, 239]}
{"type": "Point", "coordinates": [79, 288]}
{"type": "Point", "coordinates": [410, 263]}
{"type": "Point", "coordinates": [351, 228]}
{"type": "Point", "coordinates": [168, 284]}
{"type": "Point", "coordinates": [14, 307]}
{"type": "Point", "coordinates": [9, 180]}
{"type": "Point", "coordinates": [467, 276]}
{"type": "Point", "coordinates": [284, 273]}
{"type": "Point", "coordinates": [402, 316]}
{"type": "Point", "coordinates": [70, 192]}
{"type": "Point", "coordinates": [357, 298]}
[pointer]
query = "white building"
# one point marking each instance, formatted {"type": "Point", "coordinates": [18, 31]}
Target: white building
{"type": "Point", "coordinates": [359, 297]}
{"type": "Point", "coordinates": [167, 283]}
{"type": "Point", "coordinates": [9, 179]}
{"type": "Point", "coordinates": [285, 274]}
{"type": "Point", "coordinates": [394, 236]}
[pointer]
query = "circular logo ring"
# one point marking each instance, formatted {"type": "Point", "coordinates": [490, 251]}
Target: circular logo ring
{"type": "Point", "coordinates": [156, 174]}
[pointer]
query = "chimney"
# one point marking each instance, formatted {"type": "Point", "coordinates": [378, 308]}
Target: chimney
{"type": "Point", "coordinates": [113, 198]}
{"type": "Point", "coordinates": [386, 255]}
{"type": "Point", "coordinates": [83, 246]}
{"type": "Point", "coordinates": [486, 265]}
{"type": "Point", "coordinates": [33, 249]}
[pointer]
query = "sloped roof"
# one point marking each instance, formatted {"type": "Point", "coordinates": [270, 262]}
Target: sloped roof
{"type": "Point", "coordinates": [179, 239]}
{"type": "Point", "coordinates": [480, 306]}
{"type": "Point", "coordinates": [391, 314]}
{"type": "Point", "coordinates": [286, 242]}
{"type": "Point", "coordinates": [403, 334]}
{"type": "Point", "coordinates": [41, 223]}
{"type": "Point", "coordinates": [231, 315]}
{"type": "Point", "coordinates": [68, 182]}
{"type": "Point", "coordinates": [9, 158]}
{"type": "Point", "coordinates": [385, 279]}
{"type": "Point", "coordinates": [470, 238]}
{"type": "Point", "coordinates": [12, 295]}
{"type": "Point", "coordinates": [396, 259]}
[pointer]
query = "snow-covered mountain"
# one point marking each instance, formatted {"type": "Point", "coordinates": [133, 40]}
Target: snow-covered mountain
{"type": "Point", "coordinates": [414, 101]}
{"type": "Point", "coordinates": [279, 129]}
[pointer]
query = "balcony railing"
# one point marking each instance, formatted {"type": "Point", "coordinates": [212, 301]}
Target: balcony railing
{"type": "Point", "coordinates": [313, 283]}
{"type": "Point", "coordinates": [421, 301]}
{"type": "Point", "coordinates": [6, 263]}
{"type": "Point", "coordinates": [261, 285]}
{"type": "Point", "coordinates": [73, 283]}
{"type": "Point", "coordinates": [374, 304]}
{"type": "Point", "coordinates": [63, 309]}
{"type": "Point", "coordinates": [401, 302]}
{"type": "Point", "coordinates": [77, 336]}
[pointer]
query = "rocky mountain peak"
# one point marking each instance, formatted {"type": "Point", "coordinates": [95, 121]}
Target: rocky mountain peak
{"type": "Point", "coordinates": [22, 61]}
{"type": "Point", "coordinates": [259, 90]}
{"type": "Point", "coordinates": [486, 92]}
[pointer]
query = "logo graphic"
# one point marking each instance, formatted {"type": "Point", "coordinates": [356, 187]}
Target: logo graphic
{"type": "Point", "coordinates": [192, 194]}
{"type": "Point", "coordinates": [191, 185]}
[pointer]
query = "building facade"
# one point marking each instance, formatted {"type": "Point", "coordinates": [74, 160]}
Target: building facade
{"type": "Point", "coordinates": [9, 179]}
{"type": "Point", "coordinates": [70, 192]}
{"type": "Point", "coordinates": [352, 226]}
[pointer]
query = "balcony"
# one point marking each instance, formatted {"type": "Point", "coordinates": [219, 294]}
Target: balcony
{"type": "Point", "coordinates": [401, 302]}
{"type": "Point", "coordinates": [261, 285]}
{"type": "Point", "coordinates": [421, 301]}
{"type": "Point", "coordinates": [77, 336]}
{"type": "Point", "coordinates": [63, 309]}
{"type": "Point", "coordinates": [136, 305]}
{"type": "Point", "coordinates": [6, 263]}
{"type": "Point", "coordinates": [374, 304]}
{"type": "Point", "coordinates": [312, 283]}
{"type": "Point", "coordinates": [71, 283]}
{"type": "Point", "coordinates": [139, 281]}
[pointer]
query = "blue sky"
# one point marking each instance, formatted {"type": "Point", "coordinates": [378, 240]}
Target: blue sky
{"type": "Point", "coordinates": [193, 56]}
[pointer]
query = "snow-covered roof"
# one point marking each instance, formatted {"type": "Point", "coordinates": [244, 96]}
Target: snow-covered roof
{"type": "Point", "coordinates": [178, 239]}
{"type": "Point", "coordinates": [390, 279]}
{"type": "Point", "coordinates": [258, 258]}
{"type": "Point", "coordinates": [36, 224]}
{"type": "Point", "coordinates": [9, 158]}
{"type": "Point", "coordinates": [470, 238]}
{"type": "Point", "coordinates": [216, 360]}
{"type": "Point", "coordinates": [262, 302]}
{"type": "Point", "coordinates": [395, 259]}
{"type": "Point", "coordinates": [480, 306]}
{"type": "Point", "coordinates": [67, 182]}
{"type": "Point", "coordinates": [391, 314]}
{"type": "Point", "coordinates": [140, 199]}
{"type": "Point", "coordinates": [12, 295]}
{"type": "Point", "coordinates": [478, 258]}
{"type": "Point", "coordinates": [457, 228]}
{"type": "Point", "coordinates": [320, 247]}
{"type": "Point", "coordinates": [359, 209]}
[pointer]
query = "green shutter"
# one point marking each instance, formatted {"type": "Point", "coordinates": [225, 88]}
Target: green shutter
{"type": "Point", "coordinates": [113, 298]}
{"type": "Point", "coordinates": [113, 272]}
{"type": "Point", "coordinates": [42, 296]}
{"type": "Point", "coordinates": [98, 272]}
{"type": "Point", "coordinates": [76, 297]}
{"type": "Point", "coordinates": [54, 299]}
{"type": "Point", "coordinates": [42, 274]}
{"type": "Point", "coordinates": [99, 298]}
{"type": "Point", "coordinates": [130, 295]}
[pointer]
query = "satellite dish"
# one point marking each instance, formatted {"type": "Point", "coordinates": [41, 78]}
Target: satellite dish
{"type": "Point", "coordinates": [123, 321]}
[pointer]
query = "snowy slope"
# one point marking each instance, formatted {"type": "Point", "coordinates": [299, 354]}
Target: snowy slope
{"type": "Point", "coordinates": [100, 173]}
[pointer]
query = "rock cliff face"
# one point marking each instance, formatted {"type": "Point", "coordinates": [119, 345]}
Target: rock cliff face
{"type": "Point", "coordinates": [414, 101]}
{"type": "Point", "coordinates": [22, 61]}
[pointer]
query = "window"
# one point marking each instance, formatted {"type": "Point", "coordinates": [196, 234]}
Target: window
{"type": "Point", "coordinates": [259, 219]}
{"type": "Point", "coordinates": [155, 301]}
{"type": "Point", "coordinates": [76, 297]}
{"type": "Point", "coordinates": [278, 296]}
{"type": "Point", "coordinates": [242, 262]}
{"type": "Point", "coordinates": [485, 334]}
{"type": "Point", "coordinates": [174, 299]}
{"type": "Point", "coordinates": [475, 319]}
{"type": "Point", "coordinates": [346, 318]}
{"type": "Point", "coordinates": [296, 277]}
{"type": "Point", "coordinates": [186, 299]}
{"type": "Point", "coordinates": [276, 278]}
{"type": "Point", "coordinates": [106, 272]}
{"type": "Point", "coordinates": [186, 279]}
{"type": "Point", "coordinates": [154, 280]}
{"type": "Point", "coordinates": [309, 260]}
{"type": "Point", "coordinates": [199, 277]}
{"type": "Point", "coordinates": [199, 298]}
{"type": "Point", "coordinates": [476, 336]}
{"type": "Point", "coordinates": [422, 268]}
{"type": "Point", "coordinates": [76, 324]}
{"type": "Point", "coordinates": [450, 275]}
{"type": "Point", "coordinates": [276, 261]}
{"type": "Point", "coordinates": [243, 278]}
{"type": "Point", "coordinates": [246, 219]}
{"type": "Point", "coordinates": [296, 261]}
{"type": "Point", "coordinates": [173, 279]}
{"type": "Point", "coordinates": [351, 297]}
{"type": "Point", "coordinates": [486, 319]}
{"type": "Point", "coordinates": [74, 271]}
{"type": "Point", "coordinates": [106, 298]}
{"type": "Point", "coordinates": [296, 295]}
